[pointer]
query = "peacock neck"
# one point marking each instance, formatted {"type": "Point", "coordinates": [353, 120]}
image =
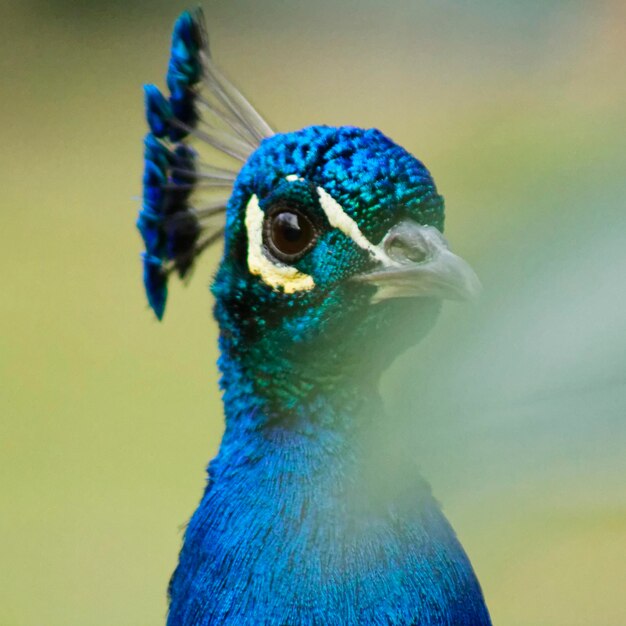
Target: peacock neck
{"type": "Point", "coordinates": [265, 389]}
{"type": "Point", "coordinates": [291, 414]}
{"type": "Point", "coordinates": [309, 518]}
{"type": "Point", "coordinates": [294, 434]}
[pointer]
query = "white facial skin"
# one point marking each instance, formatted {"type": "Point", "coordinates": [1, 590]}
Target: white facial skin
{"type": "Point", "coordinates": [288, 278]}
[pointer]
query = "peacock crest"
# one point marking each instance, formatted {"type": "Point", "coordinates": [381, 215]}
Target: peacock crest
{"type": "Point", "coordinates": [184, 197]}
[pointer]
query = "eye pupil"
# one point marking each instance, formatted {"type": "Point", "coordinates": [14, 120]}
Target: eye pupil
{"type": "Point", "coordinates": [290, 235]}
{"type": "Point", "coordinates": [287, 226]}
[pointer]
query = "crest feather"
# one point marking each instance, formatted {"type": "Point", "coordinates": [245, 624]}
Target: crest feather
{"type": "Point", "coordinates": [175, 222]}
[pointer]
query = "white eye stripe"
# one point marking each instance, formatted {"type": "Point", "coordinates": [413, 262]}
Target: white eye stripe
{"type": "Point", "coordinates": [272, 272]}
{"type": "Point", "coordinates": [340, 220]}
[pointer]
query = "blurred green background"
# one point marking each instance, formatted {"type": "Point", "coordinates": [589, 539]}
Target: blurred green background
{"type": "Point", "coordinates": [515, 406]}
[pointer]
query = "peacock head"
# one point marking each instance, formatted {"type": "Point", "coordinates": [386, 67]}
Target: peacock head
{"type": "Point", "coordinates": [333, 249]}
{"type": "Point", "coordinates": [333, 254]}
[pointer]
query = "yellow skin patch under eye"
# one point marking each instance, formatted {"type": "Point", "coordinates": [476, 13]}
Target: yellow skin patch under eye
{"type": "Point", "coordinates": [272, 272]}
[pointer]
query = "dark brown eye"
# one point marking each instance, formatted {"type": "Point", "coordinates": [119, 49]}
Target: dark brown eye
{"type": "Point", "coordinates": [289, 234]}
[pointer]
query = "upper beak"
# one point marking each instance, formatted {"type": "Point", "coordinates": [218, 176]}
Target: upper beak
{"type": "Point", "coordinates": [416, 262]}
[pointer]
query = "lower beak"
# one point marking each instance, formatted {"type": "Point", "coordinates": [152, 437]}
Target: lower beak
{"type": "Point", "coordinates": [418, 264]}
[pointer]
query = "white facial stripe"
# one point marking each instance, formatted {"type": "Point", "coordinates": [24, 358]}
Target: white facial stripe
{"type": "Point", "coordinates": [339, 219]}
{"type": "Point", "coordinates": [273, 273]}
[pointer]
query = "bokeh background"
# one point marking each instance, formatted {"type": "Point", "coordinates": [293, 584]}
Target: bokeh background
{"type": "Point", "coordinates": [517, 405]}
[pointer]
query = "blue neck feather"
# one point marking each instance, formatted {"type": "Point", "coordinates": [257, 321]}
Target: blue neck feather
{"type": "Point", "coordinates": [295, 527]}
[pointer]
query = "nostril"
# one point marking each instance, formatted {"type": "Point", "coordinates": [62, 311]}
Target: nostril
{"type": "Point", "coordinates": [402, 248]}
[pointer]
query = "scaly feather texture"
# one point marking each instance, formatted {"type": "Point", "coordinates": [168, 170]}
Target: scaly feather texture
{"type": "Point", "coordinates": [307, 517]}
{"type": "Point", "coordinates": [284, 534]}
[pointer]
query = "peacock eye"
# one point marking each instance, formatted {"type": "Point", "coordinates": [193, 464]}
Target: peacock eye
{"type": "Point", "coordinates": [289, 234]}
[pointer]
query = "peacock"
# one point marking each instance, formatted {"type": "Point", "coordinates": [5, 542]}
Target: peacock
{"type": "Point", "coordinates": [334, 263]}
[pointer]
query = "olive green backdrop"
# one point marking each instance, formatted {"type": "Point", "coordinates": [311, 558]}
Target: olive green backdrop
{"type": "Point", "coordinates": [515, 406]}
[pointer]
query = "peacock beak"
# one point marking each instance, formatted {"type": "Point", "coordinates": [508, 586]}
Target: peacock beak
{"type": "Point", "coordinates": [417, 263]}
